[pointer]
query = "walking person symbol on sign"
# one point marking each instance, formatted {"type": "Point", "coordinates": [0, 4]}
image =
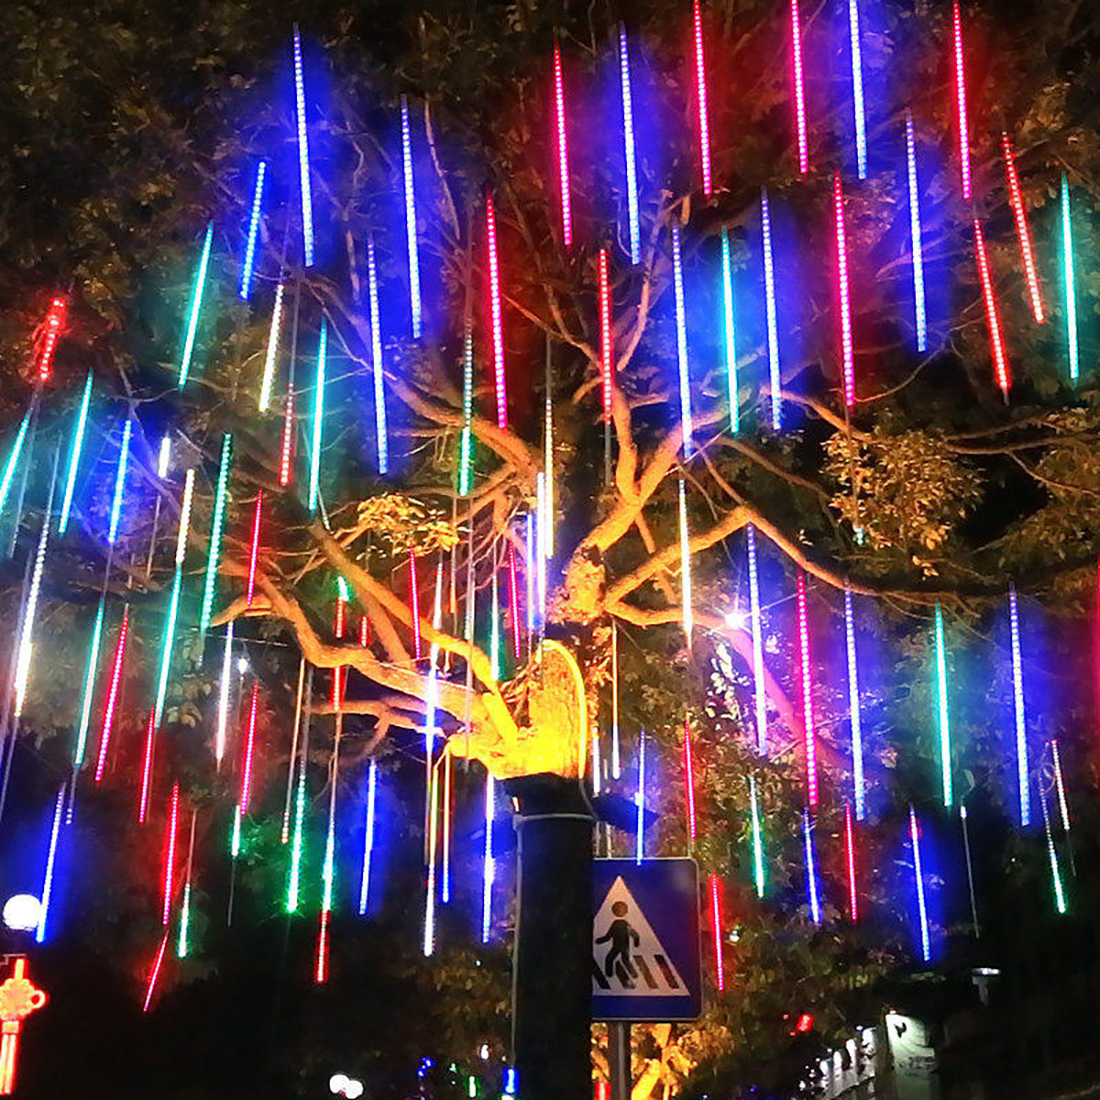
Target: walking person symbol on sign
{"type": "Point", "coordinates": [644, 940]}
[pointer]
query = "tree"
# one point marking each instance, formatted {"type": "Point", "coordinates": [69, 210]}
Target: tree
{"type": "Point", "coordinates": [928, 489]}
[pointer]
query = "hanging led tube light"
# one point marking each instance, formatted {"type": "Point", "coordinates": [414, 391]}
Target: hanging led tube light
{"type": "Point", "coordinates": [170, 854]}
{"type": "Point", "coordinates": [183, 943]}
{"type": "Point", "coordinates": [943, 717]}
{"type": "Point", "coordinates": [918, 875]}
{"type": "Point", "coordinates": [318, 421]}
{"type": "Point", "coordinates": [26, 639]}
{"type": "Point", "coordinates": [328, 879]}
{"type": "Point", "coordinates": [798, 77]}
{"type": "Point", "coordinates": [249, 750]}
{"type": "Point", "coordinates": [303, 151]}
{"type": "Point", "coordinates": [546, 536]}
{"type": "Point", "coordinates": [488, 863]}
{"type": "Point", "coordinates": [368, 840]}
{"type": "Point", "coordinates": [759, 880]}
{"type": "Point", "coordinates": [760, 698]}
{"type": "Point", "coordinates": [224, 684]}
{"type": "Point", "coordinates": [254, 549]}
{"type": "Point", "coordinates": [48, 877]}
{"type": "Point", "coordinates": [244, 290]}
{"type": "Point", "coordinates": [174, 600]}
{"type": "Point", "coordinates": [850, 861]}
{"type": "Point", "coordinates": [272, 353]}
{"type": "Point", "coordinates": [701, 99]}
{"type": "Point", "coordinates": [689, 784]}
{"type": "Point", "coordinates": [1059, 785]}
{"type": "Point", "coordinates": [811, 867]}
{"type": "Point", "coordinates": [466, 444]}
{"type": "Point", "coordinates": [1052, 857]}
{"type": "Point", "coordinates": [112, 695]}
{"type": "Point", "coordinates": [496, 318]}
{"type": "Point", "coordinates": [607, 335]}
{"type": "Point", "coordinates": [1023, 233]}
{"type": "Point", "coordinates": [294, 877]}
{"type": "Point", "coordinates": [561, 135]}
{"type": "Point", "coordinates": [1073, 349]}
{"type": "Point", "coordinates": [74, 456]}
{"type": "Point", "coordinates": [685, 566]}
{"type": "Point", "coordinates": [629, 151]}
{"type": "Point", "coordinates": [195, 309]}
{"type": "Point", "coordinates": [514, 610]}
{"type": "Point", "coordinates": [806, 676]}
{"type": "Point", "coordinates": [855, 717]}
{"type": "Point", "coordinates": [681, 343]}
{"type": "Point", "coordinates": [217, 525]}
{"type": "Point", "coordinates": [146, 768]}
{"type": "Point", "coordinates": [286, 449]}
{"type": "Point", "coordinates": [120, 481]}
{"type": "Point", "coordinates": [916, 242]}
{"type": "Point", "coordinates": [89, 688]}
{"type": "Point", "coordinates": [775, 382]}
{"type": "Point", "coordinates": [13, 460]}
{"type": "Point", "coordinates": [639, 804]}
{"type": "Point", "coordinates": [859, 113]}
{"type": "Point", "coordinates": [844, 294]}
{"type": "Point", "coordinates": [381, 431]}
{"type": "Point", "coordinates": [1018, 711]}
{"type": "Point", "coordinates": [413, 249]}
{"type": "Point", "coordinates": [616, 756]}
{"type": "Point", "coordinates": [716, 931]}
{"type": "Point", "coordinates": [432, 795]}
{"type": "Point", "coordinates": [729, 334]}
{"type": "Point", "coordinates": [992, 313]}
{"type": "Point", "coordinates": [962, 122]}
{"type": "Point", "coordinates": [55, 318]}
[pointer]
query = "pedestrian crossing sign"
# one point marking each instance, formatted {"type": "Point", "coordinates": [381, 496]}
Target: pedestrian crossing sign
{"type": "Point", "coordinates": [645, 940]}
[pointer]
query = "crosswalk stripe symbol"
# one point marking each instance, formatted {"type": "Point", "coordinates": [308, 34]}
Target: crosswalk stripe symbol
{"type": "Point", "coordinates": [628, 958]}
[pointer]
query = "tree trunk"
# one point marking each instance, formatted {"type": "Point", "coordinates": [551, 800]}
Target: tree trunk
{"type": "Point", "coordinates": [552, 966]}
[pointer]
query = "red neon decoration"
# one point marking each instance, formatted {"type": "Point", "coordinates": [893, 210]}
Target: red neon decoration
{"type": "Point", "coordinates": [701, 99]}
{"type": "Point", "coordinates": [850, 854]}
{"type": "Point", "coordinates": [414, 604]}
{"type": "Point", "coordinates": [799, 89]}
{"type": "Point", "coordinates": [514, 610]}
{"type": "Point", "coordinates": [255, 552]}
{"type": "Point", "coordinates": [807, 692]}
{"type": "Point", "coordinates": [1023, 233]}
{"type": "Point", "coordinates": [112, 695]}
{"type": "Point", "coordinates": [716, 931]}
{"type": "Point", "coordinates": [286, 454]}
{"type": "Point", "coordinates": [19, 997]}
{"type": "Point", "coordinates": [249, 749]}
{"type": "Point", "coordinates": [960, 103]}
{"type": "Point", "coordinates": [147, 767]}
{"type": "Point", "coordinates": [845, 295]}
{"type": "Point", "coordinates": [563, 149]}
{"type": "Point", "coordinates": [495, 314]}
{"type": "Point", "coordinates": [154, 974]}
{"type": "Point", "coordinates": [607, 337]}
{"type": "Point", "coordinates": [992, 313]}
{"type": "Point", "coordinates": [170, 852]}
{"type": "Point", "coordinates": [51, 328]}
{"type": "Point", "coordinates": [689, 782]}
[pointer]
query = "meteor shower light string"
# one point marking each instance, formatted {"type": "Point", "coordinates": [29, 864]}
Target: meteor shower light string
{"type": "Point", "coordinates": [120, 481]}
{"type": "Point", "coordinates": [112, 695]}
{"type": "Point", "coordinates": [563, 149]}
{"type": "Point", "coordinates": [850, 859]}
{"type": "Point", "coordinates": [716, 930]}
{"type": "Point", "coordinates": [681, 342]}
{"type": "Point", "coordinates": [318, 420]}
{"type": "Point", "coordinates": [1023, 234]}
{"type": "Point", "coordinates": [701, 99]}
{"type": "Point", "coordinates": [380, 429]}
{"type": "Point", "coordinates": [48, 877]}
{"type": "Point", "coordinates": [495, 315]}
{"type": "Point", "coordinates": [992, 313]}
{"type": "Point", "coordinates": [55, 318]}
{"type": "Point", "coordinates": [639, 802]}
{"type": "Point", "coordinates": [844, 293]}
{"type": "Point", "coordinates": [855, 717]}
{"type": "Point", "coordinates": [272, 349]}
{"type": "Point", "coordinates": [807, 692]}
{"type": "Point", "coordinates": [217, 524]}
{"type": "Point", "coordinates": [245, 288]}
{"type": "Point", "coordinates": [410, 219]}
{"type": "Point", "coordinates": [1018, 710]}
{"type": "Point", "coordinates": [960, 103]}
{"type": "Point", "coordinates": [74, 455]}
{"type": "Point", "coordinates": [368, 840]}
{"type": "Point", "coordinates": [689, 783]}
{"type": "Point", "coordinates": [759, 696]}
{"type": "Point", "coordinates": [1070, 289]}
{"type": "Point", "coordinates": [918, 875]}
{"type": "Point", "coordinates": [915, 236]}
{"type": "Point", "coordinates": [13, 460]}
{"type": "Point", "coordinates": [303, 151]}
{"type": "Point", "coordinates": [857, 88]}
{"type": "Point", "coordinates": [811, 867]}
{"type": "Point", "coordinates": [685, 566]}
{"type": "Point", "coordinates": [607, 338]}
{"type": "Point", "coordinates": [774, 380]}
{"type": "Point", "coordinates": [730, 335]}
{"type": "Point", "coordinates": [943, 718]}
{"type": "Point", "coordinates": [757, 839]}
{"type": "Point", "coordinates": [799, 89]}
{"type": "Point", "coordinates": [196, 308]}
{"type": "Point", "coordinates": [629, 155]}
{"type": "Point", "coordinates": [488, 865]}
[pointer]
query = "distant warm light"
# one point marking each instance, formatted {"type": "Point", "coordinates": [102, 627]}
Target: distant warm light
{"type": "Point", "coordinates": [272, 354]}
{"type": "Point", "coordinates": [855, 718]}
{"type": "Point", "coordinates": [195, 309]}
{"type": "Point", "coordinates": [681, 343]}
{"type": "Point", "coordinates": [960, 104]}
{"type": "Point", "coordinates": [806, 677]}
{"type": "Point", "coordinates": [729, 333]}
{"type": "Point", "coordinates": [701, 99]}
{"type": "Point", "coordinates": [1023, 233]}
{"type": "Point", "coordinates": [943, 717]}
{"type": "Point", "coordinates": [381, 431]}
{"type": "Point", "coordinates": [1070, 285]}
{"type": "Point", "coordinates": [918, 875]}
{"type": "Point", "coordinates": [799, 89]}
{"type": "Point", "coordinates": [318, 421]}
{"type": "Point", "coordinates": [716, 930]}
{"type": "Point", "coordinates": [245, 288]}
{"type": "Point", "coordinates": [561, 134]}
{"type": "Point", "coordinates": [303, 151]}
{"type": "Point", "coordinates": [916, 242]}
{"type": "Point", "coordinates": [992, 313]}
{"type": "Point", "coordinates": [55, 319]}
{"type": "Point", "coordinates": [1018, 710]}
{"type": "Point", "coordinates": [844, 293]}
{"type": "Point", "coordinates": [629, 154]}
{"type": "Point", "coordinates": [495, 315]}
{"type": "Point", "coordinates": [857, 88]}
{"type": "Point", "coordinates": [412, 247]}
{"type": "Point", "coordinates": [74, 456]}
{"type": "Point", "coordinates": [775, 382]}
{"type": "Point", "coordinates": [217, 525]}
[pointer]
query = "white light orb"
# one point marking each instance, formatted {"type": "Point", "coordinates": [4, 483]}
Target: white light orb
{"type": "Point", "coordinates": [242, 668]}
{"type": "Point", "coordinates": [338, 1083]}
{"type": "Point", "coordinates": [21, 912]}
{"type": "Point", "coordinates": [353, 1089]}
{"type": "Point", "coordinates": [738, 620]}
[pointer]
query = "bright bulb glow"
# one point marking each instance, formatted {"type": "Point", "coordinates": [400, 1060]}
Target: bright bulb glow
{"type": "Point", "coordinates": [196, 308]}
{"type": "Point", "coordinates": [701, 99]}
{"type": "Point", "coordinates": [918, 874]}
{"type": "Point", "coordinates": [943, 718]}
{"type": "Point", "coordinates": [960, 104]}
{"type": "Point", "coordinates": [560, 131]}
{"type": "Point", "coordinates": [681, 343]}
{"type": "Point", "coordinates": [22, 912]}
{"type": "Point", "coordinates": [857, 88]}
{"type": "Point", "coordinates": [1070, 287]}
{"type": "Point", "coordinates": [730, 336]}
{"type": "Point", "coordinates": [760, 698]}
{"type": "Point", "coordinates": [245, 288]}
{"type": "Point", "coordinates": [380, 429]}
{"type": "Point", "coordinates": [629, 155]}
{"type": "Point", "coordinates": [1018, 711]}
{"type": "Point", "coordinates": [303, 151]}
{"type": "Point", "coordinates": [855, 717]}
{"type": "Point", "coordinates": [992, 313]}
{"type": "Point", "coordinates": [318, 421]}
{"type": "Point", "coordinates": [217, 524]}
{"type": "Point", "coordinates": [120, 481]}
{"type": "Point", "coordinates": [272, 353]}
{"type": "Point", "coordinates": [774, 379]}
{"type": "Point", "coordinates": [920, 312]}
{"type": "Point", "coordinates": [495, 314]}
{"type": "Point", "coordinates": [799, 89]}
{"type": "Point", "coordinates": [74, 455]}
{"type": "Point", "coordinates": [410, 219]}
{"type": "Point", "coordinates": [1023, 233]}
{"type": "Point", "coordinates": [844, 293]}
{"type": "Point", "coordinates": [806, 675]}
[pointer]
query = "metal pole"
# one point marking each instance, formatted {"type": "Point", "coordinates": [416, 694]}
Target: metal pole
{"type": "Point", "coordinates": [618, 1057]}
